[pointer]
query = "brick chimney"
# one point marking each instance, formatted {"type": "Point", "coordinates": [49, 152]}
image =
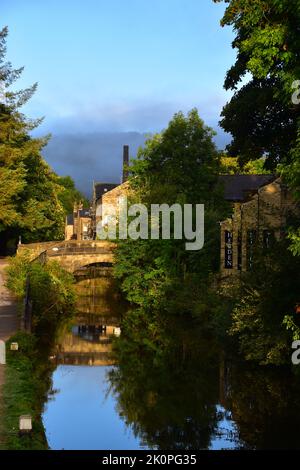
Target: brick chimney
{"type": "Point", "coordinates": [125, 162]}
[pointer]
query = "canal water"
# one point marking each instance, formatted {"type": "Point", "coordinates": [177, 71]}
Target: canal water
{"type": "Point", "coordinates": [111, 392]}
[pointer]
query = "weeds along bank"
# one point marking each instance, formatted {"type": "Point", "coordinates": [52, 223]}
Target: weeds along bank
{"type": "Point", "coordinates": [28, 370]}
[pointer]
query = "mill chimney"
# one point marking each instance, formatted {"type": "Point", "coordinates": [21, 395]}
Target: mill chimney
{"type": "Point", "coordinates": [125, 162]}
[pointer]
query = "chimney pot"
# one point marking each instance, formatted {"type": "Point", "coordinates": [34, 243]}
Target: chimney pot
{"type": "Point", "coordinates": [125, 162]}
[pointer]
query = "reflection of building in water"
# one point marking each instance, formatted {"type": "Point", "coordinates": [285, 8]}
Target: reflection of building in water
{"type": "Point", "coordinates": [87, 344]}
{"type": "Point", "coordinates": [224, 389]}
{"type": "Point", "coordinates": [98, 320]}
{"type": "Point", "coordinates": [94, 305]}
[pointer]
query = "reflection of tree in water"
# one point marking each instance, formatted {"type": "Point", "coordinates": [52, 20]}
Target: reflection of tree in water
{"type": "Point", "coordinates": [167, 394]}
{"type": "Point", "coordinates": [265, 404]}
{"type": "Point", "coordinates": [169, 381]}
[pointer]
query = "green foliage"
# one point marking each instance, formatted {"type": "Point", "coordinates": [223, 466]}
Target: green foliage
{"type": "Point", "coordinates": [32, 199]}
{"type": "Point", "coordinates": [291, 325]}
{"type": "Point", "coordinates": [291, 175]}
{"type": "Point", "coordinates": [256, 167]}
{"type": "Point", "coordinates": [182, 159]}
{"type": "Point", "coordinates": [17, 272]}
{"type": "Point", "coordinates": [268, 292]}
{"type": "Point", "coordinates": [28, 370]}
{"type": "Point", "coordinates": [178, 166]}
{"type": "Point", "coordinates": [170, 379]}
{"type": "Point", "coordinates": [143, 269]}
{"type": "Point", "coordinates": [12, 182]}
{"type": "Point", "coordinates": [166, 381]}
{"type": "Point", "coordinates": [27, 381]}
{"type": "Point", "coordinates": [68, 194]}
{"type": "Point", "coordinates": [265, 123]}
{"type": "Point", "coordinates": [232, 166]}
{"type": "Point", "coordinates": [30, 205]}
{"type": "Point", "coordinates": [260, 115]}
{"type": "Point", "coordinates": [260, 400]}
{"type": "Point", "coordinates": [59, 303]}
{"type": "Point", "coordinates": [48, 310]}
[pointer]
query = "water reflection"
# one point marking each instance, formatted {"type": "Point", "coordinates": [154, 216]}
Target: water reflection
{"type": "Point", "coordinates": [265, 404]}
{"type": "Point", "coordinates": [171, 397]}
{"type": "Point", "coordinates": [88, 341]}
{"type": "Point", "coordinates": [165, 385]}
{"type": "Point", "coordinates": [82, 414]}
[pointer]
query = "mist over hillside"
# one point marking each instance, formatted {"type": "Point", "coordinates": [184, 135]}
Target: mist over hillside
{"type": "Point", "coordinates": [96, 155]}
{"type": "Point", "coordinates": [88, 157]}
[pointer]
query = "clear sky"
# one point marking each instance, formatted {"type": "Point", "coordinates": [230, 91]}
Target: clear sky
{"type": "Point", "coordinates": [119, 65]}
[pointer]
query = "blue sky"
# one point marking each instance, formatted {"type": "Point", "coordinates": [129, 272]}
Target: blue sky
{"type": "Point", "coordinates": [119, 65]}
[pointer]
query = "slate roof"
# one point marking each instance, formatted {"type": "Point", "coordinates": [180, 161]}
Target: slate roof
{"type": "Point", "coordinates": [238, 187]}
{"type": "Point", "coordinates": [84, 213]}
{"type": "Point", "coordinates": [101, 188]}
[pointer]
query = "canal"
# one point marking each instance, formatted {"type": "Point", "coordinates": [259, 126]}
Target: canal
{"type": "Point", "coordinates": [119, 391]}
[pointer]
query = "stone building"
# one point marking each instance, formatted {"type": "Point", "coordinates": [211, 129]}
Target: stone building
{"type": "Point", "coordinates": [82, 224]}
{"type": "Point", "coordinates": [261, 207]}
{"type": "Point", "coordinates": [99, 190]}
{"type": "Point", "coordinates": [78, 225]}
{"type": "Point", "coordinates": [112, 200]}
{"type": "Point", "coordinates": [69, 227]}
{"type": "Point", "coordinates": [106, 196]}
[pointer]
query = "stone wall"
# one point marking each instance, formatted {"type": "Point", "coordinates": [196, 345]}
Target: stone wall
{"type": "Point", "coordinates": [72, 263]}
{"type": "Point", "coordinates": [81, 251]}
{"type": "Point", "coordinates": [69, 231]}
{"type": "Point", "coordinates": [262, 216]}
{"type": "Point", "coordinates": [110, 203]}
{"type": "Point", "coordinates": [35, 249]}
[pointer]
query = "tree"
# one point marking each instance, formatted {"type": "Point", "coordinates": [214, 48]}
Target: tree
{"type": "Point", "coordinates": [160, 364]}
{"type": "Point", "coordinates": [12, 183]}
{"type": "Point", "coordinates": [29, 202]}
{"type": "Point", "coordinates": [232, 166]}
{"type": "Point", "coordinates": [180, 165]}
{"type": "Point", "coordinates": [261, 116]}
{"type": "Point", "coordinates": [269, 292]}
{"type": "Point", "coordinates": [68, 194]}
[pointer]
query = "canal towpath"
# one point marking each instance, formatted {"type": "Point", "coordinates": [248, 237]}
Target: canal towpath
{"type": "Point", "coordinates": [9, 321]}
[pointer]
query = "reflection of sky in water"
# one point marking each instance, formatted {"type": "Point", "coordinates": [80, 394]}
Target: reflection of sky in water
{"type": "Point", "coordinates": [226, 435]}
{"type": "Point", "coordinates": [82, 414]}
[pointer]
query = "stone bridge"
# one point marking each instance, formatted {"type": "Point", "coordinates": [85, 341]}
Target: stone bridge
{"type": "Point", "coordinates": [73, 255]}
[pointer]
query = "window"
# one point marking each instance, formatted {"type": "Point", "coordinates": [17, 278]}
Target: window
{"type": "Point", "coordinates": [240, 247]}
{"type": "Point", "coordinates": [268, 238]}
{"type": "Point", "coordinates": [251, 242]}
{"type": "Point", "coordinates": [228, 250]}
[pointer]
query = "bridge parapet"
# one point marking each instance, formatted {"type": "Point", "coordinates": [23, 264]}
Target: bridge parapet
{"type": "Point", "coordinates": [84, 246]}
{"type": "Point", "coordinates": [71, 254]}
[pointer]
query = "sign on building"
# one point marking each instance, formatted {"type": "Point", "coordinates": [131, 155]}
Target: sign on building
{"type": "Point", "coordinates": [228, 250]}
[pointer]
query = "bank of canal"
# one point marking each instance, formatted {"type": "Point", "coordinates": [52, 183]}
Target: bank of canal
{"type": "Point", "coordinates": [9, 323]}
{"type": "Point", "coordinates": [199, 400]}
